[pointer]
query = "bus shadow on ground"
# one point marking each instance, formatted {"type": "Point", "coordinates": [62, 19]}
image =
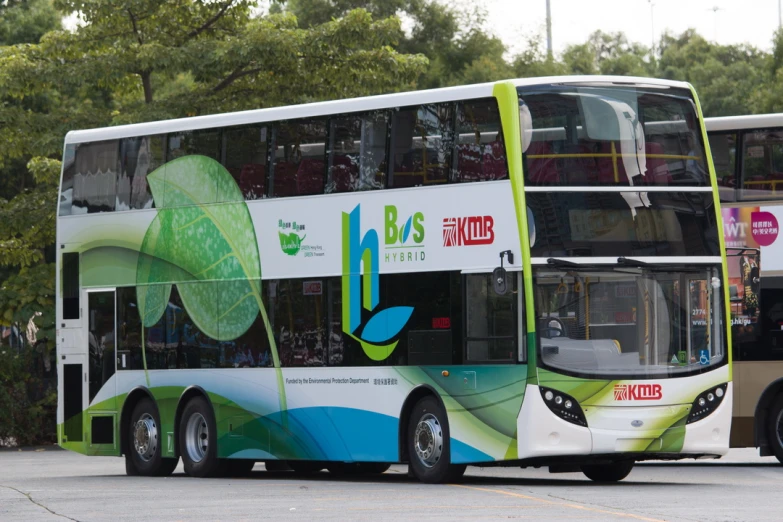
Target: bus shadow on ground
{"type": "Point", "coordinates": [393, 477]}
{"type": "Point", "coordinates": [711, 464]}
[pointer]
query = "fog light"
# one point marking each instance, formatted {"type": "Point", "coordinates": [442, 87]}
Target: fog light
{"type": "Point", "coordinates": [710, 397]}
{"type": "Point", "coordinates": [558, 400]}
{"type": "Point", "coordinates": [548, 395]}
{"type": "Point", "coordinates": [702, 402]}
{"type": "Point", "coordinates": [568, 405]}
{"type": "Point", "coordinates": [719, 392]}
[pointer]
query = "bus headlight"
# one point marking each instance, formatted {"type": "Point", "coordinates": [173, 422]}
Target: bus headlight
{"type": "Point", "coordinates": [707, 402]}
{"type": "Point", "coordinates": [564, 406]}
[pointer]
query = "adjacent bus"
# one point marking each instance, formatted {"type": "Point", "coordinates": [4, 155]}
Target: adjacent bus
{"type": "Point", "coordinates": [748, 155]}
{"type": "Point", "coordinates": [521, 273]}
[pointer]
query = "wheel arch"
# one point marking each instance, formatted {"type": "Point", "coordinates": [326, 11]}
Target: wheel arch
{"type": "Point", "coordinates": [766, 400]}
{"type": "Point", "coordinates": [134, 396]}
{"type": "Point", "coordinates": [189, 393]}
{"type": "Point", "coordinates": [416, 394]}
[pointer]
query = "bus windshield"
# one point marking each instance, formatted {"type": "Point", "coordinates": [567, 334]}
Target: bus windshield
{"type": "Point", "coordinates": [634, 322]}
{"type": "Point", "coordinates": [609, 134]}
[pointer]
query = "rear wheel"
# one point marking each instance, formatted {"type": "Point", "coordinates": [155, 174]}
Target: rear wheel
{"type": "Point", "coordinates": [613, 472]}
{"type": "Point", "coordinates": [144, 456]}
{"type": "Point", "coordinates": [198, 439]}
{"type": "Point", "coordinates": [428, 444]}
{"type": "Point", "coordinates": [775, 428]}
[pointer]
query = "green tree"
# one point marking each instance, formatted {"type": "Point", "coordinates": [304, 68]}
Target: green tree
{"type": "Point", "coordinates": [725, 76]}
{"type": "Point", "coordinates": [459, 48]}
{"type": "Point", "coordinates": [535, 61]}
{"type": "Point", "coordinates": [27, 22]}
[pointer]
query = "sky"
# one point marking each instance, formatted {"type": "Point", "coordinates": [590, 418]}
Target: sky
{"type": "Point", "coordinates": [734, 21]}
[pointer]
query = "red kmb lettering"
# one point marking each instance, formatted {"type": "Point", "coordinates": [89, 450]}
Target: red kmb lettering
{"type": "Point", "coordinates": [468, 231]}
{"type": "Point", "coordinates": [638, 392]}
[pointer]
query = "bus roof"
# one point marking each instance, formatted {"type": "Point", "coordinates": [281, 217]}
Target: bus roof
{"type": "Point", "coordinates": [750, 121]}
{"type": "Point", "coordinates": [368, 103]}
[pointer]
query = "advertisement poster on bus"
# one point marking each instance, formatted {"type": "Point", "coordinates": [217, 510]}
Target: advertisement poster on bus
{"type": "Point", "coordinates": [750, 233]}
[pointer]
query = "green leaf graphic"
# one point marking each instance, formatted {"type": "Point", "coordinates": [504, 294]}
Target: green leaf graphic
{"type": "Point", "coordinates": [290, 243]}
{"type": "Point", "coordinates": [197, 242]}
{"type": "Point", "coordinates": [193, 240]}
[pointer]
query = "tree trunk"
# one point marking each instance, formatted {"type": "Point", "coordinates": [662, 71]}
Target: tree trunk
{"type": "Point", "coordinates": [146, 81]}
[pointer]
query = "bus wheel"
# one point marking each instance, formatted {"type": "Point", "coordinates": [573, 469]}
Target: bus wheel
{"type": "Point", "coordinates": [428, 444]}
{"type": "Point", "coordinates": [144, 455]}
{"type": "Point", "coordinates": [305, 466]}
{"type": "Point", "coordinates": [775, 428]}
{"type": "Point", "coordinates": [613, 472]}
{"type": "Point", "coordinates": [198, 439]}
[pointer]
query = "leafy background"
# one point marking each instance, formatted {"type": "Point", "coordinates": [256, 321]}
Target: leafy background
{"type": "Point", "coordinates": [130, 61]}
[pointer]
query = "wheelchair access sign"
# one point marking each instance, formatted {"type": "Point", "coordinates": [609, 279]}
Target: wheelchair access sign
{"type": "Point", "coordinates": [704, 357]}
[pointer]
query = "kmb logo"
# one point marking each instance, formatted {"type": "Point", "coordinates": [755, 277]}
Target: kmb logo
{"type": "Point", "coordinates": [468, 231]}
{"type": "Point", "coordinates": [637, 392]}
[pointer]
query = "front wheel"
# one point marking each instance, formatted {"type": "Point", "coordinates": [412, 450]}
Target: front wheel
{"type": "Point", "coordinates": [613, 472]}
{"type": "Point", "coordinates": [145, 455]}
{"type": "Point", "coordinates": [428, 444]}
{"type": "Point", "coordinates": [775, 428]}
{"type": "Point", "coordinates": [198, 439]}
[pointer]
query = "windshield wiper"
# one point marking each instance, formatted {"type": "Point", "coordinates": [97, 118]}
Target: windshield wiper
{"type": "Point", "coordinates": [563, 263]}
{"type": "Point", "coordinates": [632, 262]}
{"type": "Point", "coordinates": [665, 267]}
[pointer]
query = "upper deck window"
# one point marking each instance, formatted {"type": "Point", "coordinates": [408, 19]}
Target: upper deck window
{"type": "Point", "coordinates": [421, 145]}
{"type": "Point", "coordinates": [357, 152]}
{"type": "Point", "coordinates": [298, 168]}
{"type": "Point", "coordinates": [724, 158]}
{"type": "Point", "coordinates": [613, 136]}
{"type": "Point", "coordinates": [762, 164]}
{"type": "Point", "coordinates": [89, 178]}
{"type": "Point", "coordinates": [480, 151]}
{"type": "Point", "coordinates": [244, 155]}
{"type": "Point", "coordinates": [588, 224]}
{"type": "Point", "coordinates": [139, 156]}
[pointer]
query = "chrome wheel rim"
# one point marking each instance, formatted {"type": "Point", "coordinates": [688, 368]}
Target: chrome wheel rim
{"type": "Point", "coordinates": [197, 437]}
{"type": "Point", "coordinates": [145, 437]}
{"type": "Point", "coordinates": [779, 429]}
{"type": "Point", "coordinates": [428, 440]}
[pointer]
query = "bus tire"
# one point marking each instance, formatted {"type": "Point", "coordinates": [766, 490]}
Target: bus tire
{"type": "Point", "coordinates": [428, 444]}
{"type": "Point", "coordinates": [198, 439]}
{"type": "Point", "coordinates": [145, 456]}
{"type": "Point", "coordinates": [775, 428]}
{"type": "Point", "coordinates": [614, 472]}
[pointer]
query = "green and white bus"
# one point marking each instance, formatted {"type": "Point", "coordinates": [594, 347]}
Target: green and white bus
{"type": "Point", "coordinates": [521, 273]}
{"type": "Point", "coordinates": [747, 151]}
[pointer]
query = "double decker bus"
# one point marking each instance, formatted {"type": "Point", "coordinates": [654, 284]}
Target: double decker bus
{"type": "Point", "coordinates": [520, 273]}
{"type": "Point", "coordinates": [747, 153]}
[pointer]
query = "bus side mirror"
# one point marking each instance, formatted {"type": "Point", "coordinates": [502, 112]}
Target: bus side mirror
{"type": "Point", "coordinates": [499, 281]}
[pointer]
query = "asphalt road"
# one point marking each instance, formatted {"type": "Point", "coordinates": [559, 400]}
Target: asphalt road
{"type": "Point", "coordinates": [58, 485]}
